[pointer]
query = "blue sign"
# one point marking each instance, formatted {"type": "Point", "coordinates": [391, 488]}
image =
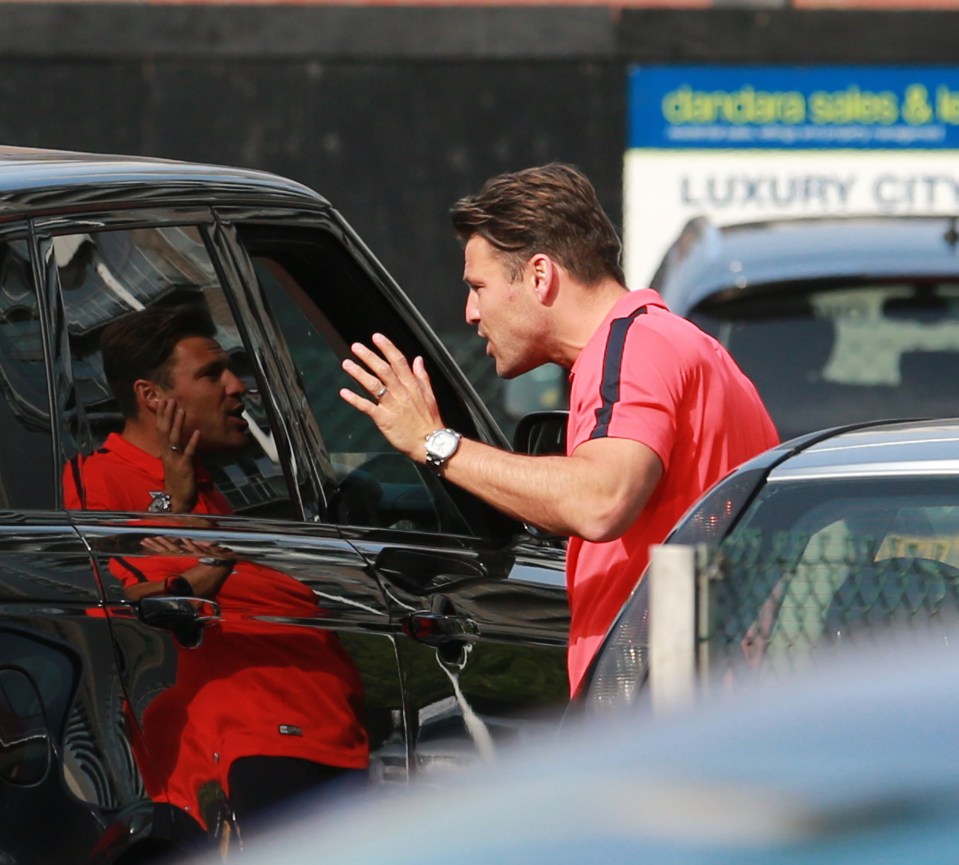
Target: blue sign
{"type": "Point", "coordinates": [794, 108]}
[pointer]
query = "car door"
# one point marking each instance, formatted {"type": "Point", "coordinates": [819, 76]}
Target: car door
{"type": "Point", "coordinates": [208, 682]}
{"type": "Point", "coordinates": [68, 784]}
{"type": "Point", "coordinates": [479, 608]}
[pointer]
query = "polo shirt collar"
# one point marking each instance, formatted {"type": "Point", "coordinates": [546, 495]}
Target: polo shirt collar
{"type": "Point", "coordinates": [125, 450]}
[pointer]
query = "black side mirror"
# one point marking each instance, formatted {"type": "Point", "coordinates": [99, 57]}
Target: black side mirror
{"type": "Point", "coordinates": [541, 433]}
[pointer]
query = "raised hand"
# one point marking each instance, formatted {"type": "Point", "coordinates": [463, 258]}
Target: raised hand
{"type": "Point", "coordinates": [401, 401]}
{"type": "Point", "coordinates": [179, 475]}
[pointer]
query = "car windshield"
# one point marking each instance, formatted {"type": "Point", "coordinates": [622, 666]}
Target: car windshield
{"type": "Point", "coordinates": [822, 357]}
{"type": "Point", "coordinates": [819, 561]}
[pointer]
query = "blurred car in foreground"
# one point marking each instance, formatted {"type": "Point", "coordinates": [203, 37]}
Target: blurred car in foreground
{"type": "Point", "coordinates": [855, 766]}
{"type": "Point", "coordinates": [837, 320]}
{"type": "Point", "coordinates": [822, 540]}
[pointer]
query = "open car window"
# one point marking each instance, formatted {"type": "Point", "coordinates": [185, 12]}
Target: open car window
{"type": "Point", "coordinates": [322, 297]}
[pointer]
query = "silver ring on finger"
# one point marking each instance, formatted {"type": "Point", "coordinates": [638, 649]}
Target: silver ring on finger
{"type": "Point", "coordinates": [175, 448]}
{"type": "Point", "coordinates": [382, 392]}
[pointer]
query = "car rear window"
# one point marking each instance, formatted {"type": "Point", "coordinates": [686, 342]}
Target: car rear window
{"type": "Point", "coordinates": [844, 354]}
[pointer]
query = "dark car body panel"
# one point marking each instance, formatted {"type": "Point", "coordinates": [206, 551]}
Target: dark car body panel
{"type": "Point", "coordinates": [451, 617]}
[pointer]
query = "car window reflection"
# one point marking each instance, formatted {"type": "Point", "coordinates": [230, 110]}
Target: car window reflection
{"type": "Point", "coordinates": [251, 683]}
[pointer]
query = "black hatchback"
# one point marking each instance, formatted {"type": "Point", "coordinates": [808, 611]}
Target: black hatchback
{"type": "Point", "coordinates": [448, 619]}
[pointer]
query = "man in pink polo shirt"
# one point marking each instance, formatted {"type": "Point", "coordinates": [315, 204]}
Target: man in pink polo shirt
{"type": "Point", "coordinates": [659, 411]}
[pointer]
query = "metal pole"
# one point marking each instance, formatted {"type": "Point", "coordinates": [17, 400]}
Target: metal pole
{"type": "Point", "coordinates": [672, 626]}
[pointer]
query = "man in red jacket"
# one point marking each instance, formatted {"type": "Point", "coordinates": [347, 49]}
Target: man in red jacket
{"type": "Point", "coordinates": [261, 710]}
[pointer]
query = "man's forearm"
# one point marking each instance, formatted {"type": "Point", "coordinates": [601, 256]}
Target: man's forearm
{"type": "Point", "coordinates": [595, 495]}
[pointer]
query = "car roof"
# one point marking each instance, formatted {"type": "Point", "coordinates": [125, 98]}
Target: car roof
{"type": "Point", "coordinates": [707, 258]}
{"type": "Point", "coordinates": [903, 448]}
{"type": "Point", "coordinates": [33, 181]}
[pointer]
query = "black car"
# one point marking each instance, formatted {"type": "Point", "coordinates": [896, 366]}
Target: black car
{"type": "Point", "coordinates": [452, 617]}
{"type": "Point", "coordinates": [836, 319]}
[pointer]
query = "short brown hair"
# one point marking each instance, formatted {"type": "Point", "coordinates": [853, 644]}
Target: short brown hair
{"type": "Point", "coordinates": [551, 209]}
{"type": "Point", "coordinates": [139, 345]}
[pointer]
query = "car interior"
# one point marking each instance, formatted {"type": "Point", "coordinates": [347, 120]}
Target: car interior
{"type": "Point", "coordinates": [829, 561]}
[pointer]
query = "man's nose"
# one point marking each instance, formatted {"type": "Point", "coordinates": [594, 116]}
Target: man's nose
{"type": "Point", "coordinates": [472, 309]}
{"type": "Point", "coordinates": [234, 384]}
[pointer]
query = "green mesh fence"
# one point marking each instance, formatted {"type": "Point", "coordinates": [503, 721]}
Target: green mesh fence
{"type": "Point", "coordinates": [774, 602]}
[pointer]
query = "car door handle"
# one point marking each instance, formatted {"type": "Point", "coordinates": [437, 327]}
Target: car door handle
{"type": "Point", "coordinates": [185, 617]}
{"type": "Point", "coordinates": [427, 571]}
{"type": "Point", "coordinates": [438, 629]}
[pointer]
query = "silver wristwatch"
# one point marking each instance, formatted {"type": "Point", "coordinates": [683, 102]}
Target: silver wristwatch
{"type": "Point", "coordinates": [440, 446]}
{"type": "Point", "coordinates": [216, 562]}
{"type": "Point", "coordinates": [162, 503]}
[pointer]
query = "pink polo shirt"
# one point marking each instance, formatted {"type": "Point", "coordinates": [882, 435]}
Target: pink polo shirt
{"type": "Point", "coordinates": [654, 377]}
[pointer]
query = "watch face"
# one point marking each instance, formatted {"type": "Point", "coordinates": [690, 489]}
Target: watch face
{"type": "Point", "coordinates": [162, 502]}
{"type": "Point", "coordinates": [443, 443]}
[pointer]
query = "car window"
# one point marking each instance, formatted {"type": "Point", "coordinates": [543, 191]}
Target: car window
{"type": "Point", "coordinates": [844, 354]}
{"type": "Point", "coordinates": [105, 275]}
{"type": "Point", "coordinates": [322, 297]}
{"type": "Point", "coordinates": [26, 459]}
{"type": "Point", "coordinates": [829, 560]}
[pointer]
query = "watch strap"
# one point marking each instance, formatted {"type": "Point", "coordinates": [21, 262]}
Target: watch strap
{"type": "Point", "coordinates": [177, 584]}
{"type": "Point", "coordinates": [216, 562]}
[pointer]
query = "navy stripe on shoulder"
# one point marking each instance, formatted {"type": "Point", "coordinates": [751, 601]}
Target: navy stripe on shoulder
{"type": "Point", "coordinates": [612, 370]}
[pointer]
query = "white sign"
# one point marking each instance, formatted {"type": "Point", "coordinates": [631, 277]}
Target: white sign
{"type": "Point", "coordinates": [665, 189]}
{"type": "Point", "coordinates": [739, 144]}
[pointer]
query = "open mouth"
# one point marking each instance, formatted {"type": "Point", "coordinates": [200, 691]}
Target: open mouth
{"type": "Point", "coordinates": [237, 417]}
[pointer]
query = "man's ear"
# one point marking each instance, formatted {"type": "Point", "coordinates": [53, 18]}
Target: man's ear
{"type": "Point", "coordinates": [543, 272]}
{"type": "Point", "coordinates": [147, 394]}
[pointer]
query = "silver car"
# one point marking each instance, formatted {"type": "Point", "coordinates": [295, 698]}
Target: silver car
{"type": "Point", "coordinates": [825, 539]}
{"type": "Point", "coordinates": [853, 766]}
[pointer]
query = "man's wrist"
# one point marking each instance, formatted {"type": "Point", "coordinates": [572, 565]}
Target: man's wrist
{"type": "Point", "coordinates": [441, 445]}
{"type": "Point", "coordinates": [177, 584]}
{"type": "Point", "coordinates": [183, 504]}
